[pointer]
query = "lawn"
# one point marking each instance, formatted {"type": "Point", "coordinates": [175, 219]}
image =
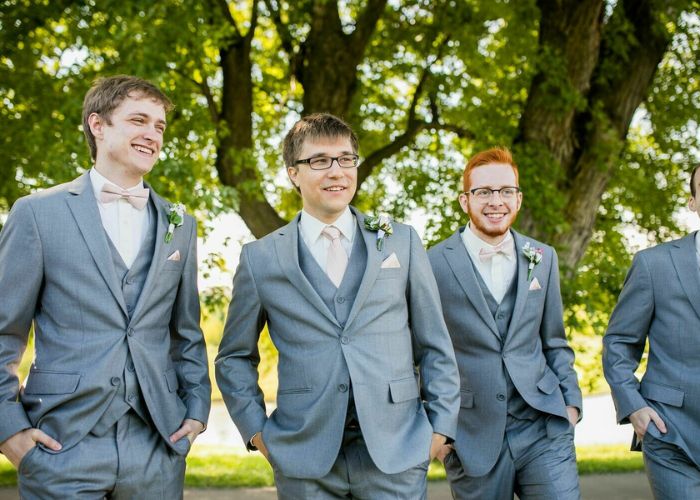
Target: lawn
{"type": "Point", "coordinates": [208, 466]}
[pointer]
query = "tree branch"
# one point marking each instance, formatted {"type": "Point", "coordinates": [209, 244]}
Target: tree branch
{"type": "Point", "coordinates": [204, 88]}
{"type": "Point", "coordinates": [223, 4]}
{"type": "Point", "coordinates": [282, 29]}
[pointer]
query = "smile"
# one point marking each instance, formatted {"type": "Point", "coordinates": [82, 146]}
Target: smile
{"type": "Point", "coordinates": [143, 149]}
{"type": "Point", "coordinates": [334, 188]}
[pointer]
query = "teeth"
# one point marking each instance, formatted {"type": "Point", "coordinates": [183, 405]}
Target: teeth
{"type": "Point", "coordinates": [141, 149]}
{"type": "Point", "coordinates": [335, 189]}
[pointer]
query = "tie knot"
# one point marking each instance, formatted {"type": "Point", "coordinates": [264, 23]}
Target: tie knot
{"type": "Point", "coordinates": [331, 232]}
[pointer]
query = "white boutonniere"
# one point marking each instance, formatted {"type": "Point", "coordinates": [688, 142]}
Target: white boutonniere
{"type": "Point", "coordinates": [534, 257]}
{"type": "Point", "coordinates": [176, 216]}
{"type": "Point", "coordinates": [381, 224]}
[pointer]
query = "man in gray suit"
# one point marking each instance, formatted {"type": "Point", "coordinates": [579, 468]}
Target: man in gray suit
{"type": "Point", "coordinates": [368, 385]}
{"type": "Point", "coordinates": [107, 272]}
{"type": "Point", "coordinates": [660, 301]}
{"type": "Point", "coordinates": [520, 397]}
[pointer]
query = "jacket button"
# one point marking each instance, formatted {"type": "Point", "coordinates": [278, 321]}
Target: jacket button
{"type": "Point", "coordinates": [344, 340]}
{"type": "Point", "coordinates": [131, 397]}
{"type": "Point", "coordinates": [340, 300]}
{"type": "Point", "coordinates": [501, 397]}
{"type": "Point", "coordinates": [343, 387]}
{"type": "Point", "coordinates": [115, 381]}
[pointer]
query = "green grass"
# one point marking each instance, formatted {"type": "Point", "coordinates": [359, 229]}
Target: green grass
{"type": "Point", "coordinates": [209, 467]}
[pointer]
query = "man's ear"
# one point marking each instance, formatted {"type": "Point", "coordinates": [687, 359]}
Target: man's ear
{"type": "Point", "coordinates": [292, 173]}
{"type": "Point", "coordinates": [96, 125]}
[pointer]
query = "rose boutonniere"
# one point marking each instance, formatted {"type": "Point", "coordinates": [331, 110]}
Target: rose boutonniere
{"type": "Point", "coordinates": [176, 216]}
{"type": "Point", "coordinates": [381, 224]}
{"type": "Point", "coordinates": [534, 257]}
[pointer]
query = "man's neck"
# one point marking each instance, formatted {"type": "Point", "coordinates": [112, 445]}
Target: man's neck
{"type": "Point", "coordinates": [118, 177]}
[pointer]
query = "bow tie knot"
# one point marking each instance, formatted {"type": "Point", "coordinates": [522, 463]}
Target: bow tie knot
{"type": "Point", "coordinates": [138, 198]}
{"type": "Point", "coordinates": [504, 248]}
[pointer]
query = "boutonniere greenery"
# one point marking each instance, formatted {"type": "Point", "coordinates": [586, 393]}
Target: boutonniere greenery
{"type": "Point", "coordinates": [381, 224]}
{"type": "Point", "coordinates": [534, 257]}
{"type": "Point", "coordinates": [176, 216]}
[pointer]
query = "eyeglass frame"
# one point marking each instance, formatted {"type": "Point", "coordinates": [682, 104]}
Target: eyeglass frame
{"type": "Point", "coordinates": [307, 161]}
{"type": "Point", "coordinates": [494, 191]}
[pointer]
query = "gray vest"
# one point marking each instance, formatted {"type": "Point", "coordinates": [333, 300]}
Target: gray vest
{"type": "Point", "coordinates": [128, 395]}
{"type": "Point", "coordinates": [502, 313]}
{"type": "Point", "coordinates": [339, 300]}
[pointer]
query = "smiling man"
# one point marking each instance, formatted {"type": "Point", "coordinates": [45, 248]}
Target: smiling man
{"type": "Point", "coordinates": [520, 398]}
{"type": "Point", "coordinates": [119, 386]}
{"type": "Point", "coordinates": [356, 320]}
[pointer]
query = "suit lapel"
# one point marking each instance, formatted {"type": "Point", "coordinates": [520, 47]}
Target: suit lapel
{"type": "Point", "coordinates": [287, 248]}
{"type": "Point", "coordinates": [460, 262]}
{"type": "Point", "coordinates": [523, 284]}
{"type": "Point", "coordinates": [374, 262]}
{"type": "Point", "coordinates": [157, 259]}
{"type": "Point", "coordinates": [83, 206]}
{"type": "Point", "coordinates": [683, 255]}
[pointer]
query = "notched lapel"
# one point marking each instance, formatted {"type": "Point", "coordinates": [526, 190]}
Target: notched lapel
{"type": "Point", "coordinates": [374, 263]}
{"type": "Point", "coordinates": [83, 206]}
{"type": "Point", "coordinates": [460, 262]}
{"type": "Point", "coordinates": [523, 285]}
{"type": "Point", "coordinates": [287, 249]}
{"type": "Point", "coordinates": [683, 255]}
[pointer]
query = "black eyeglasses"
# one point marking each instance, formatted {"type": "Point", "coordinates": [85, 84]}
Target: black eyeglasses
{"type": "Point", "coordinates": [485, 194]}
{"type": "Point", "coordinates": [325, 162]}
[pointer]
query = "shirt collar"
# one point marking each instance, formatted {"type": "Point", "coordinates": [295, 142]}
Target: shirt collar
{"type": "Point", "coordinates": [697, 242]}
{"type": "Point", "coordinates": [474, 244]}
{"type": "Point", "coordinates": [311, 227]}
{"type": "Point", "coordinates": [98, 180]}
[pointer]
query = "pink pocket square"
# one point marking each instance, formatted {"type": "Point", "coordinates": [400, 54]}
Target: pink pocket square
{"type": "Point", "coordinates": [535, 285]}
{"type": "Point", "coordinates": [175, 256]}
{"type": "Point", "coordinates": [391, 262]}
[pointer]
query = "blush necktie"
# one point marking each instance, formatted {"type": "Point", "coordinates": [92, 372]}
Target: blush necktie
{"type": "Point", "coordinates": [504, 247]}
{"type": "Point", "coordinates": [337, 259]}
{"type": "Point", "coordinates": [136, 197]}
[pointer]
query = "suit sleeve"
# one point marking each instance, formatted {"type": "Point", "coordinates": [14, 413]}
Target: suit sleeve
{"type": "Point", "coordinates": [188, 349]}
{"type": "Point", "coordinates": [238, 358]}
{"type": "Point", "coordinates": [558, 353]}
{"type": "Point", "coordinates": [433, 346]}
{"type": "Point", "coordinates": [625, 338]}
{"type": "Point", "coordinates": [21, 276]}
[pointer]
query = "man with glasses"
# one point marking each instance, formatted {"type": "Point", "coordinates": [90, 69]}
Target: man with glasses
{"type": "Point", "coordinates": [368, 384]}
{"type": "Point", "coordinates": [520, 398]}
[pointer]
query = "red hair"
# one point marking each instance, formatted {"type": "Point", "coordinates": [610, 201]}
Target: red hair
{"type": "Point", "coordinates": [493, 155]}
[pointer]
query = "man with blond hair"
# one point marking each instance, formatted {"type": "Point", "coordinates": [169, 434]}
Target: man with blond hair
{"type": "Point", "coordinates": [520, 398]}
{"type": "Point", "coordinates": [119, 388]}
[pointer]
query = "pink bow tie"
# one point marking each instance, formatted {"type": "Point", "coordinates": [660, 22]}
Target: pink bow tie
{"type": "Point", "coordinates": [504, 247]}
{"type": "Point", "coordinates": [137, 197]}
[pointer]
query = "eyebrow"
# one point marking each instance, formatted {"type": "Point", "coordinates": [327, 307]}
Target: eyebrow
{"type": "Point", "coordinates": [342, 153]}
{"type": "Point", "coordinates": [145, 115]}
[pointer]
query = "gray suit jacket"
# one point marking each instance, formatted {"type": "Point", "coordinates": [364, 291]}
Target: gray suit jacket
{"type": "Point", "coordinates": [535, 351]}
{"type": "Point", "coordinates": [394, 326]}
{"type": "Point", "coordinates": [660, 301]}
{"type": "Point", "coordinates": [56, 270]}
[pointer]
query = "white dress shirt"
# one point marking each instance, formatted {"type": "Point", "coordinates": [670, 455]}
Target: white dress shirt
{"type": "Point", "coordinates": [499, 271]}
{"type": "Point", "coordinates": [126, 226]}
{"type": "Point", "coordinates": [310, 229]}
{"type": "Point", "coordinates": [697, 247]}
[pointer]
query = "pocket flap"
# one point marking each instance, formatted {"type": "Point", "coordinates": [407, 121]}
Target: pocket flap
{"type": "Point", "coordinates": [171, 379]}
{"type": "Point", "coordinates": [467, 399]}
{"type": "Point", "coordinates": [662, 393]}
{"type": "Point", "coordinates": [51, 382]}
{"type": "Point", "coordinates": [403, 390]}
{"type": "Point", "coordinates": [548, 382]}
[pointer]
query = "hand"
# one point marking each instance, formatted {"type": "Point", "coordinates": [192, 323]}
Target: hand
{"type": "Point", "coordinates": [190, 428]}
{"type": "Point", "coordinates": [640, 421]}
{"type": "Point", "coordinates": [18, 445]}
{"type": "Point", "coordinates": [572, 411]}
{"type": "Point", "coordinates": [436, 446]}
{"type": "Point", "coordinates": [258, 442]}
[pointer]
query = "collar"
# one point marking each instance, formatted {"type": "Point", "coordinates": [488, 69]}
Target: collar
{"type": "Point", "coordinates": [697, 242]}
{"type": "Point", "coordinates": [311, 227]}
{"type": "Point", "coordinates": [98, 180]}
{"type": "Point", "coordinates": [475, 244]}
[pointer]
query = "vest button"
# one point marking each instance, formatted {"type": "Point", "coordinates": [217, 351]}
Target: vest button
{"type": "Point", "coordinates": [130, 366]}
{"type": "Point", "coordinates": [501, 397]}
{"type": "Point", "coordinates": [115, 381]}
{"type": "Point", "coordinates": [131, 397]}
{"type": "Point", "coordinates": [344, 340]}
{"type": "Point", "coordinates": [340, 300]}
{"type": "Point", "coordinates": [343, 387]}
{"type": "Point", "coordinates": [130, 332]}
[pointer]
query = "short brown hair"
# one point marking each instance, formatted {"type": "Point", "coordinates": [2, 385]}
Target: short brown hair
{"type": "Point", "coordinates": [494, 155]}
{"type": "Point", "coordinates": [692, 179]}
{"type": "Point", "coordinates": [313, 127]}
{"type": "Point", "coordinates": [107, 93]}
